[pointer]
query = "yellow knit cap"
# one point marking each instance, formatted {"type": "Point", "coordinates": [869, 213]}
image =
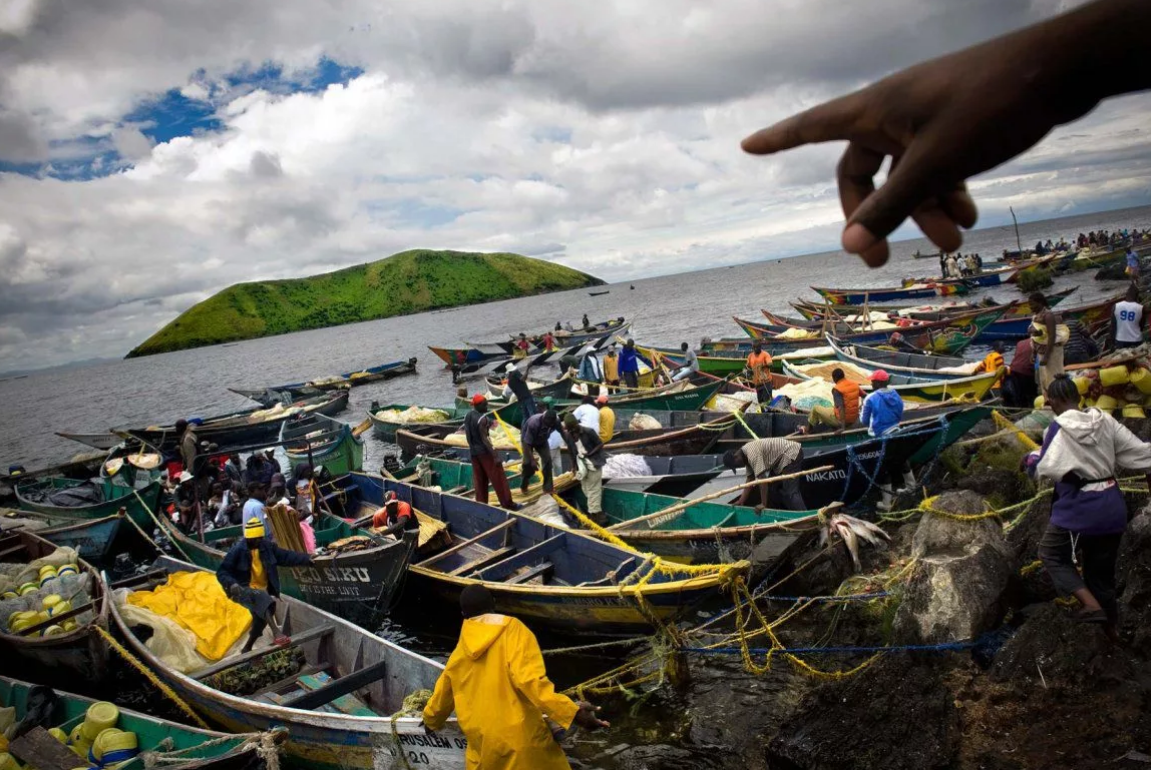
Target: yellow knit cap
{"type": "Point", "coordinates": [253, 528]}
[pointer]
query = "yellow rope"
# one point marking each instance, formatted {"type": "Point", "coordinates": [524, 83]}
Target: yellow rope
{"type": "Point", "coordinates": [742, 422]}
{"type": "Point", "coordinates": [508, 434]}
{"type": "Point", "coordinates": [168, 691]}
{"type": "Point", "coordinates": [1029, 568]}
{"type": "Point", "coordinates": [1006, 424]}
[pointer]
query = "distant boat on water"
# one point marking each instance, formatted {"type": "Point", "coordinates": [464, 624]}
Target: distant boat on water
{"type": "Point", "coordinates": [599, 293]}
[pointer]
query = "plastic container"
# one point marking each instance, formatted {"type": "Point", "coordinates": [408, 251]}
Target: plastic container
{"type": "Point", "coordinates": [58, 734]}
{"type": "Point", "coordinates": [60, 608]}
{"type": "Point", "coordinates": [1141, 378]}
{"type": "Point", "coordinates": [1082, 384]}
{"type": "Point", "coordinates": [1106, 403]}
{"type": "Point", "coordinates": [28, 588]}
{"type": "Point", "coordinates": [101, 716]}
{"type": "Point", "coordinates": [1040, 402]}
{"type": "Point", "coordinates": [1134, 411]}
{"type": "Point", "coordinates": [50, 601]}
{"type": "Point", "coordinates": [67, 569]}
{"type": "Point", "coordinates": [1114, 375]}
{"type": "Point", "coordinates": [112, 746]}
{"type": "Point", "coordinates": [8, 762]}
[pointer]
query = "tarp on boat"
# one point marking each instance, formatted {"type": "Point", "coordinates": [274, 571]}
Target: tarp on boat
{"type": "Point", "coordinates": [197, 603]}
{"type": "Point", "coordinates": [78, 496]}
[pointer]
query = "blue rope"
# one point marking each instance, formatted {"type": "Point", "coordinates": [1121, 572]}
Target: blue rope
{"type": "Point", "coordinates": [944, 647]}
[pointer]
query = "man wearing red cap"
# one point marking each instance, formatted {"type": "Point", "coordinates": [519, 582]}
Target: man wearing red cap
{"type": "Point", "coordinates": [486, 466]}
{"type": "Point", "coordinates": [882, 411]}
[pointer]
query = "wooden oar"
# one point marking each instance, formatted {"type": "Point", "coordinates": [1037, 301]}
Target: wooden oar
{"type": "Point", "coordinates": [362, 428]}
{"type": "Point", "coordinates": [667, 514]}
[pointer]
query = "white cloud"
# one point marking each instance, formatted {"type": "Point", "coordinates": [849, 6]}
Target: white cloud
{"type": "Point", "coordinates": [603, 136]}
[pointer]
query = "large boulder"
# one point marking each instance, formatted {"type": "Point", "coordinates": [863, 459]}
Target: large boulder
{"type": "Point", "coordinates": [963, 568]}
{"type": "Point", "coordinates": [1134, 571]}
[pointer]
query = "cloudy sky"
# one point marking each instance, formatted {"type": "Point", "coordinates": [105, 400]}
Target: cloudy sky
{"type": "Point", "coordinates": [152, 153]}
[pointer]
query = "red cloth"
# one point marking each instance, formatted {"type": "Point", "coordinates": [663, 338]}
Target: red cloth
{"type": "Point", "coordinates": [380, 519]}
{"type": "Point", "coordinates": [1024, 361]}
{"type": "Point", "coordinates": [485, 469]}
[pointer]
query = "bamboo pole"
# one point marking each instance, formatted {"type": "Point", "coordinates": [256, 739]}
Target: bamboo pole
{"type": "Point", "coordinates": [171, 537]}
{"type": "Point", "coordinates": [654, 519]}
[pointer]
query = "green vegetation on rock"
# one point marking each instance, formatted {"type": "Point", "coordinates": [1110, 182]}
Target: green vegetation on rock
{"type": "Point", "coordinates": [408, 282]}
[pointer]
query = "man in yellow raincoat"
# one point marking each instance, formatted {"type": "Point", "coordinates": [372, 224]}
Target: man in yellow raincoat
{"type": "Point", "coordinates": [496, 683]}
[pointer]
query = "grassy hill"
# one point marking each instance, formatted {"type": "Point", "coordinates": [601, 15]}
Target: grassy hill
{"type": "Point", "coordinates": [408, 282]}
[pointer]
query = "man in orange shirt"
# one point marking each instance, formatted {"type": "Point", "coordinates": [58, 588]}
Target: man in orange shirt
{"type": "Point", "coordinates": [759, 364]}
{"type": "Point", "coordinates": [847, 395]}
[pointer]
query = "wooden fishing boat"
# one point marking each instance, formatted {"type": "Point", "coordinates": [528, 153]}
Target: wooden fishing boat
{"type": "Point", "coordinates": [469, 354]}
{"type": "Point", "coordinates": [318, 440]}
{"type": "Point", "coordinates": [177, 746]}
{"type": "Point", "coordinates": [564, 338]}
{"type": "Point", "coordinates": [989, 276]}
{"type": "Point", "coordinates": [972, 389]}
{"type": "Point", "coordinates": [920, 366]}
{"type": "Point", "coordinates": [549, 577]}
{"type": "Point", "coordinates": [598, 293]}
{"type": "Point", "coordinates": [338, 709]}
{"type": "Point", "coordinates": [92, 540]}
{"type": "Point", "coordinates": [104, 441]}
{"type": "Point", "coordinates": [385, 430]}
{"type": "Point", "coordinates": [719, 366]}
{"type": "Point", "coordinates": [891, 294]}
{"type": "Point", "coordinates": [359, 586]}
{"type": "Point", "coordinates": [32, 497]}
{"type": "Point", "coordinates": [307, 389]}
{"type": "Point", "coordinates": [81, 651]}
{"type": "Point", "coordinates": [244, 428]}
{"type": "Point", "coordinates": [692, 439]}
{"type": "Point", "coordinates": [946, 337]}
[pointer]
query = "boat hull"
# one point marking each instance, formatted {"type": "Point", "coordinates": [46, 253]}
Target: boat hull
{"type": "Point", "coordinates": [135, 502]}
{"type": "Point", "coordinates": [92, 540]}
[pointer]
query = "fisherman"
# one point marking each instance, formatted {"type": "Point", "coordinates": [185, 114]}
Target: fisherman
{"type": "Point", "coordinates": [993, 362]}
{"type": "Point", "coordinates": [882, 411]}
{"type": "Point", "coordinates": [1081, 453]}
{"type": "Point", "coordinates": [393, 517]}
{"type": "Point", "coordinates": [589, 369]}
{"type": "Point", "coordinates": [234, 469]}
{"type": "Point", "coordinates": [518, 387]}
{"type": "Point", "coordinates": [255, 507]}
{"type": "Point", "coordinates": [189, 444]}
{"type": "Point", "coordinates": [847, 395]}
{"type": "Point", "coordinates": [759, 364]}
{"type": "Point", "coordinates": [586, 449]}
{"type": "Point", "coordinates": [559, 326]}
{"type": "Point", "coordinates": [969, 261]}
{"type": "Point", "coordinates": [629, 365]}
{"type": "Point", "coordinates": [250, 576]}
{"type": "Point", "coordinates": [1019, 387]}
{"type": "Point", "coordinates": [764, 458]}
{"type": "Point", "coordinates": [1080, 348]}
{"type": "Point", "coordinates": [549, 342]}
{"type": "Point", "coordinates": [521, 347]}
{"type": "Point", "coordinates": [273, 464]}
{"type": "Point", "coordinates": [487, 467]}
{"type": "Point", "coordinates": [606, 418]}
{"type": "Point", "coordinates": [611, 369]}
{"type": "Point", "coordinates": [1127, 320]}
{"type": "Point", "coordinates": [587, 414]}
{"type": "Point", "coordinates": [534, 439]}
{"type": "Point", "coordinates": [952, 266]}
{"type": "Point", "coordinates": [690, 363]}
{"type": "Point", "coordinates": [496, 683]}
{"type": "Point", "coordinates": [1133, 265]}
{"type": "Point", "coordinates": [1048, 337]}
{"type": "Point", "coordinates": [586, 322]}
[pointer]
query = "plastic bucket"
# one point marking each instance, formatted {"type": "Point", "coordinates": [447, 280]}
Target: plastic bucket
{"type": "Point", "coordinates": [1114, 375]}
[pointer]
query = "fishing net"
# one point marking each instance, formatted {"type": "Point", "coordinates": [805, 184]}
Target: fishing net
{"type": "Point", "coordinates": [546, 510]}
{"type": "Point", "coordinates": [413, 414]}
{"type": "Point", "coordinates": [625, 467]}
{"type": "Point", "coordinates": [643, 422]}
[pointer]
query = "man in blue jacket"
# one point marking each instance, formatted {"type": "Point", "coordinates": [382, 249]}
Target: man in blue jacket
{"type": "Point", "coordinates": [882, 411]}
{"type": "Point", "coordinates": [629, 365]}
{"type": "Point", "coordinates": [249, 575]}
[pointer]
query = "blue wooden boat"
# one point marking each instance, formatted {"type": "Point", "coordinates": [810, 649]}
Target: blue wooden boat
{"type": "Point", "coordinates": [92, 539]}
{"type": "Point", "coordinates": [297, 390]}
{"type": "Point", "coordinates": [547, 576]}
{"type": "Point", "coordinates": [349, 727]}
{"type": "Point", "coordinates": [891, 294]}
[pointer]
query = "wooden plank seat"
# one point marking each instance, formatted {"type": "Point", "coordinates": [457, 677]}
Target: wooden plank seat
{"type": "Point", "coordinates": [502, 569]}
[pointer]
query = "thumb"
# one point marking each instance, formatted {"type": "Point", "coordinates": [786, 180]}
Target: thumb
{"type": "Point", "coordinates": [912, 180]}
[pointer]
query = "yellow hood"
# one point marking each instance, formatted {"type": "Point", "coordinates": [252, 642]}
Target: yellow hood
{"type": "Point", "coordinates": [480, 633]}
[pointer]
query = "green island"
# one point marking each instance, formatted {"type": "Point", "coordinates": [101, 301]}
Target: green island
{"type": "Point", "coordinates": [409, 282]}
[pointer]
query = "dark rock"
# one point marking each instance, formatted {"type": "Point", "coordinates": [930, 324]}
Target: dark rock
{"type": "Point", "coordinates": [956, 589]}
{"type": "Point", "coordinates": [896, 715]}
{"type": "Point", "coordinates": [1134, 570]}
{"type": "Point", "coordinates": [998, 483]}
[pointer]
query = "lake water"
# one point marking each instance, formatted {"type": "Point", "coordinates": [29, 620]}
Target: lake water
{"type": "Point", "coordinates": [666, 310]}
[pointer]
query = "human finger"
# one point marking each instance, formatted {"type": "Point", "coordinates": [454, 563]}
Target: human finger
{"type": "Point", "coordinates": [960, 206]}
{"type": "Point", "coordinates": [855, 174]}
{"type": "Point", "coordinates": [938, 226]}
{"type": "Point", "coordinates": [911, 182]}
{"type": "Point", "coordinates": [823, 123]}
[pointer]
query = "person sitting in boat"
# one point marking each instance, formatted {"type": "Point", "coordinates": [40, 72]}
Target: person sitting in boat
{"type": "Point", "coordinates": [222, 505]}
{"type": "Point", "coordinates": [882, 411]}
{"type": "Point", "coordinates": [764, 458]}
{"type": "Point", "coordinates": [234, 469]}
{"type": "Point", "coordinates": [611, 369]}
{"type": "Point", "coordinates": [250, 576]}
{"type": "Point", "coordinates": [521, 347]}
{"type": "Point", "coordinates": [586, 323]}
{"type": "Point", "coordinates": [993, 362]}
{"type": "Point", "coordinates": [549, 342]}
{"type": "Point", "coordinates": [847, 395]}
{"type": "Point", "coordinates": [969, 262]}
{"type": "Point", "coordinates": [394, 517]}
{"type": "Point", "coordinates": [536, 441]}
{"type": "Point", "coordinates": [759, 365]}
{"type": "Point", "coordinates": [257, 470]}
{"type": "Point", "coordinates": [497, 684]}
{"type": "Point", "coordinates": [1081, 453]}
{"type": "Point", "coordinates": [559, 327]}
{"type": "Point", "coordinates": [690, 363]}
{"type": "Point", "coordinates": [586, 448]}
{"type": "Point", "coordinates": [273, 464]}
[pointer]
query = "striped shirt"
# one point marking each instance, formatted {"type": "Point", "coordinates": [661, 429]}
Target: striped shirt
{"type": "Point", "coordinates": [769, 455]}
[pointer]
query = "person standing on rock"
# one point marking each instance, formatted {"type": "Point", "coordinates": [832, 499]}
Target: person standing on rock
{"type": "Point", "coordinates": [1080, 454]}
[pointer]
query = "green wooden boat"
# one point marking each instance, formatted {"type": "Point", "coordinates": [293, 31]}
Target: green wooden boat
{"type": "Point", "coordinates": [360, 586]}
{"type": "Point", "coordinates": [718, 366]}
{"type": "Point", "coordinates": [176, 746]}
{"type": "Point", "coordinates": [385, 430]}
{"type": "Point", "coordinates": [136, 503]}
{"type": "Point", "coordinates": [318, 440]}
